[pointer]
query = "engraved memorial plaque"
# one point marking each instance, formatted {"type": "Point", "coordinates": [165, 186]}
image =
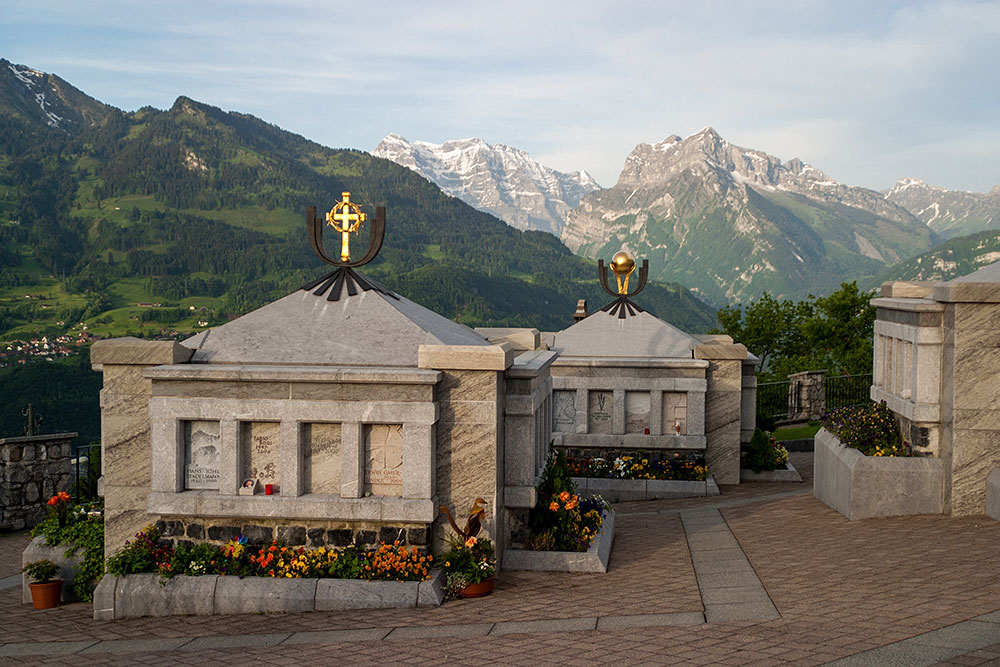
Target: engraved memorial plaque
{"type": "Point", "coordinates": [600, 413]}
{"type": "Point", "coordinates": [261, 442]}
{"type": "Point", "coordinates": [321, 458]}
{"type": "Point", "coordinates": [636, 411]}
{"type": "Point", "coordinates": [384, 459]}
{"type": "Point", "coordinates": [674, 413]}
{"type": "Point", "coordinates": [201, 455]}
{"type": "Point", "coordinates": [564, 412]}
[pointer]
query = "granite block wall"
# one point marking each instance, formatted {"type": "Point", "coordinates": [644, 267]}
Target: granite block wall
{"type": "Point", "coordinates": [32, 469]}
{"type": "Point", "coordinates": [723, 403]}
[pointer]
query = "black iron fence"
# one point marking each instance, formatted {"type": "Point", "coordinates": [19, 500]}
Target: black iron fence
{"type": "Point", "coordinates": [777, 400]}
{"type": "Point", "coordinates": [844, 390]}
{"type": "Point", "coordinates": [85, 470]}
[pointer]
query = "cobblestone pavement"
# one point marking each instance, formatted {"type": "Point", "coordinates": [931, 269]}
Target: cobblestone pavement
{"type": "Point", "coordinates": [913, 590]}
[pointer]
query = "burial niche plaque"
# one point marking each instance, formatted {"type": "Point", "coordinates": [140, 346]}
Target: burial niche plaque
{"type": "Point", "coordinates": [261, 442]}
{"type": "Point", "coordinates": [636, 411]}
{"type": "Point", "coordinates": [384, 459]}
{"type": "Point", "coordinates": [600, 413]}
{"type": "Point", "coordinates": [674, 413]}
{"type": "Point", "coordinates": [321, 454]}
{"type": "Point", "coordinates": [564, 412]}
{"type": "Point", "coordinates": [201, 455]}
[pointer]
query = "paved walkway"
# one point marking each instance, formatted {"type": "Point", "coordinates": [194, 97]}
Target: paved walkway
{"type": "Point", "coordinates": [763, 574]}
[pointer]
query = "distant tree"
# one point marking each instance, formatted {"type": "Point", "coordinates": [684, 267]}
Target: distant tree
{"type": "Point", "coordinates": [832, 333]}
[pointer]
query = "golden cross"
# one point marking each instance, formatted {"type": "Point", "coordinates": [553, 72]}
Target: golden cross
{"type": "Point", "coordinates": [350, 217]}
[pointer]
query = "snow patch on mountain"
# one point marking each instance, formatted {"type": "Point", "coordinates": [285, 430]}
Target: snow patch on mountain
{"type": "Point", "coordinates": [29, 77]}
{"type": "Point", "coordinates": [498, 179]}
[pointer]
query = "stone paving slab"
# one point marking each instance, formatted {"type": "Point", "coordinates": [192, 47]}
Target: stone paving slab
{"type": "Point", "coordinates": [43, 648]}
{"type": "Point", "coordinates": [337, 636]}
{"type": "Point", "coordinates": [460, 630]}
{"type": "Point", "coordinates": [894, 655]}
{"type": "Point", "coordinates": [239, 641]}
{"type": "Point", "coordinates": [137, 645]}
{"type": "Point", "coordinates": [534, 627]}
{"type": "Point", "coordinates": [649, 620]}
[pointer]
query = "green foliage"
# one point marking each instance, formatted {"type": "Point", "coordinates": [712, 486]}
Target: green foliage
{"type": "Point", "coordinates": [65, 394]}
{"type": "Point", "coordinates": [81, 527]}
{"type": "Point", "coordinates": [832, 333]}
{"type": "Point", "coordinates": [556, 478]}
{"type": "Point", "coordinates": [871, 428]}
{"type": "Point", "coordinates": [195, 559]}
{"type": "Point", "coordinates": [765, 452]}
{"type": "Point", "coordinates": [465, 563]}
{"type": "Point", "coordinates": [141, 555]}
{"type": "Point", "coordinates": [42, 571]}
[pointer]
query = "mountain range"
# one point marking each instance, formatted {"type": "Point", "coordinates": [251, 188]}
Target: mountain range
{"type": "Point", "coordinates": [950, 213]}
{"type": "Point", "coordinates": [201, 211]}
{"type": "Point", "coordinates": [496, 178]}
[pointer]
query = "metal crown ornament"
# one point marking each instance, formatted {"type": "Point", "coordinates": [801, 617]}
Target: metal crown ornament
{"type": "Point", "coordinates": [623, 265]}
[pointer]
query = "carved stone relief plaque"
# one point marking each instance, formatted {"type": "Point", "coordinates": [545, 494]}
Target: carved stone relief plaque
{"type": "Point", "coordinates": [261, 443]}
{"type": "Point", "coordinates": [564, 412]}
{"type": "Point", "coordinates": [201, 455]}
{"type": "Point", "coordinates": [600, 412]}
{"type": "Point", "coordinates": [636, 411]}
{"type": "Point", "coordinates": [321, 458]}
{"type": "Point", "coordinates": [384, 459]}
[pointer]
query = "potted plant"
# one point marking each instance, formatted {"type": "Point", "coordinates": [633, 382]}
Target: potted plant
{"type": "Point", "coordinates": [46, 591]}
{"type": "Point", "coordinates": [470, 564]}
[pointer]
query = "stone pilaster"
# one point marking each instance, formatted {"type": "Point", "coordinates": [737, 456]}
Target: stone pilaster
{"type": "Point", "coordinates": [125, 444]}
{"type": "Point", "coordinates": [723, 407]}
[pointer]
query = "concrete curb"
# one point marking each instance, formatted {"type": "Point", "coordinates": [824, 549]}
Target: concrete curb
{"type": "Point", "coordinates": [594, 559]}
{"type": "Point", "coordinates": [139, 595]}
{"type": "Point", "coordinates": [624, 490]}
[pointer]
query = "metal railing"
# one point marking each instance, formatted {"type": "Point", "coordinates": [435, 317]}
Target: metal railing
{"type": "Point", "coordinates": [776, 400]}
{"type": "Point", "coordinates": [85, 470]}
{"type": "Point", "coordinates": [844, 390]}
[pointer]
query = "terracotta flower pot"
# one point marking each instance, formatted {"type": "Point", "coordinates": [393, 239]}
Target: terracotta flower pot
{"type": "Point", "coordinates": [482, 589]}
{"type": "Point", "coordinates": [47, 595]}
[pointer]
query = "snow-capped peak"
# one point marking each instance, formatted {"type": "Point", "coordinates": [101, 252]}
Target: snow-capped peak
{"type": "Point", "coordinates": [495, 178]}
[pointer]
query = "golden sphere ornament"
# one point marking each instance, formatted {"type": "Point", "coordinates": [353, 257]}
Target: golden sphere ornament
{"type": "Point", "coordinates": [623, 263]}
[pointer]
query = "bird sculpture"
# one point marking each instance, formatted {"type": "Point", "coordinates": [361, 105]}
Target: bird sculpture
{"type": "Point", "coordinates": [472, 524]}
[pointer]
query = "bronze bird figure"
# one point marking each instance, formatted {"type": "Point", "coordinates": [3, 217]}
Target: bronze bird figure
{"type": "Point", "coordinates": [473, 524]}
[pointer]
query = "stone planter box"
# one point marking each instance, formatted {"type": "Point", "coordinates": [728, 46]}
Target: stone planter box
{"type": "Point", "coordinates": [622, 490]}
{"type": "Point", "coordinates": [68, 565]}
{"type": "Point", "coordinates": [786, 473]}
{"type": "Point", "coordinates": [864, 487]}
{"type": "Point", "coordinates": [594, 559]}
{"type": "Point", "coordinates": [143, 595]}
{"type": "Point", "coordinates": [993, 494]}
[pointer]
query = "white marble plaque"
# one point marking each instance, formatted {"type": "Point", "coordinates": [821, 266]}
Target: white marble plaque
{"type": "Point", "coordinates": [321, 458]}
{"type": "Point", "coordinates": [384, 459]}
{"type": "Point", "coordinates": [674, 413]}
{"type": "Point", "coordinates": [636, 411]}
{"type": "Point", "coordinates": [600, 413]}
{"type": "Point", "coordinates": [261, 443]}
{"type": "Point", "coordinates": [201, 455]}
{"type": "Point", "coordinates": [564, 412]}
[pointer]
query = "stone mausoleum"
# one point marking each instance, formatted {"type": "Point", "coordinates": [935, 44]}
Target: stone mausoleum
{"type": "Point", "coordinates": [936, 366]}
{"type": "Point", "coordinates": [345, 413]}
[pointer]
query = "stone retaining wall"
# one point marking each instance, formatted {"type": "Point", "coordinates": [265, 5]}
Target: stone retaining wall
{"type": "Point", "coordinates": [178, 530]}
{"type": "Point", "coordinates": [140, 595]}
{"type": "Point", "coordinates": [622, 490]}
{"type": "Point", "coordinates": [864, 487]}
{"type": "Point", "coordinates": [33, 468]}
{"type": "Point", "coordinates": [595, 559]}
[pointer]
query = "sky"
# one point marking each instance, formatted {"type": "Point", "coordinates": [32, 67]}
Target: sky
{"type": "Point", "coordinates": [869, 92]}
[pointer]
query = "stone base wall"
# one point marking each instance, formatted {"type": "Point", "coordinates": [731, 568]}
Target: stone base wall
{"type": "Point", "coordinates": [32, 469]}
{"type": "Point", "coordinates": [178, 530]}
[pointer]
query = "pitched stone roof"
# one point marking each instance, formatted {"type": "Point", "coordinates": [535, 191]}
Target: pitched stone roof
{"type": "Point", "coordinates": [639, 335]}
{"type": "Point", "coordinates": [367, 329]}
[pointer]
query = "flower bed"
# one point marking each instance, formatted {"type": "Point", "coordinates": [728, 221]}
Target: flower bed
{"type": "Point", "coordinates": [638, 477]}
{"type": "Point", "coordinates": [148, 578]}
{"type": "Point", "coordinates": [862, 487]}
{"type": "Point", "coordinates": [594, 559]}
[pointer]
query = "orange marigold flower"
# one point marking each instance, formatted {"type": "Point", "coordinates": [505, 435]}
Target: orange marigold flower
{"type": "Point", "coordinates": [554, 506]}
{"type": "Point", "coordinates": [53, 500]}
{"type": "Point", "coordinates": [571, 505]}
{"type": "Point", "coordinates": [62, 495]}
{"type": "Point", "coordinates": [564, 496]}
{"type": "Point", "coordinates": [471, 542]}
